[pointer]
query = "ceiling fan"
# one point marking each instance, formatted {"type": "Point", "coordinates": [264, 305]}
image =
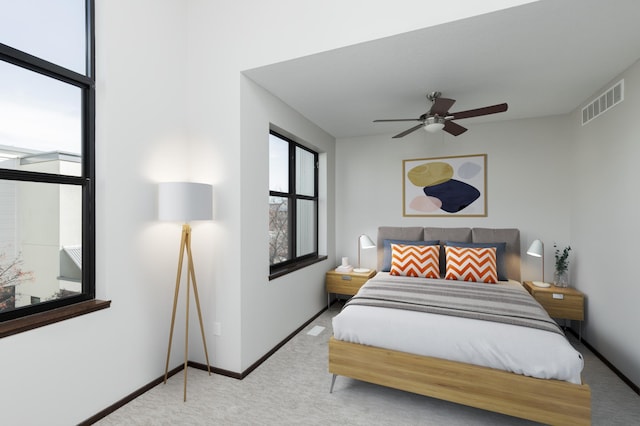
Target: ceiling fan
{"type": "Point", "coordinates": [439, 118]}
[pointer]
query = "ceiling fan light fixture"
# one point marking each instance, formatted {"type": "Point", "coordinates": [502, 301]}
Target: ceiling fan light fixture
{"type": "Point", "coordinates": [434, 124]}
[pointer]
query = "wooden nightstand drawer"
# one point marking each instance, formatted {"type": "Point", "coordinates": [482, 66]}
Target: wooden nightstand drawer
{"type": "Point", "coordinates": [559, 302]}
{"type": "Point", "coordinates": [560, 305]}
{"type": "Point", "coordinates": [348, 283]}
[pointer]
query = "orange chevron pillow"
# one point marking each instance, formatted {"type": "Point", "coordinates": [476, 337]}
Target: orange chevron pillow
{"type": "Point", "coordinates": [415, 260]}
{"type": "Point", "coordinates": [471, 264]}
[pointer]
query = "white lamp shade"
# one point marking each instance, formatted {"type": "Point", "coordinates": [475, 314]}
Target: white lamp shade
{"type": "Point", "coordinates": [185, 201]}
{"type": "Point", "coordinates": [536, 249]}
{"type": "Point", "coordinates": [365, 242]}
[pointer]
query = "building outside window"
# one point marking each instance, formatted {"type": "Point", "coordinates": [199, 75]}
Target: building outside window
{"type": "Point", "coordinates": [47, 108]}
{"type": "Point", "coordinates": [293, 204]}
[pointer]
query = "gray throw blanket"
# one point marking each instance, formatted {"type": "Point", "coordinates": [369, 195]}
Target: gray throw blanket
{"type": "Point", "coordinates": [489, 302]}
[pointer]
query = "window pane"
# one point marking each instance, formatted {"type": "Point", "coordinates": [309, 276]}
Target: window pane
{"type": "Point", "coordinates": [278, 164]}
{"type": "Point", "coordinates": [51, 30]}
{"type": "Point", "coordinates": [306, 227]}
{"type": "Point", "coordinates": [40, 121]}
{"type": "Point", "coordinates": [305, 172]}
{"type": "Point", "coordinates": [279, 230]}
{"type": "Point", "coordinates": [40, 243]}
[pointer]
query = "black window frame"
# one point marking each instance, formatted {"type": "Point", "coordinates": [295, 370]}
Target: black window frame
{"type": "Point", "coordinates": [296, 262]}
{"type": "Point", "coordinates": [32, 316]}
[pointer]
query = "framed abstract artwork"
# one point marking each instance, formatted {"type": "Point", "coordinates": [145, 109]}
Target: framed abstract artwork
{"type": "Point", "coordinates": [445, 186]}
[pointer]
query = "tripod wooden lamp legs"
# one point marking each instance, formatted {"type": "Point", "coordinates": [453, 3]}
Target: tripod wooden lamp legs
{"type": "Point", "coordinates": [185, 245]}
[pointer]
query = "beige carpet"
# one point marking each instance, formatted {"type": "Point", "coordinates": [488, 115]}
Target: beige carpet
{"type": "Point", "coordinates": [292, 388]}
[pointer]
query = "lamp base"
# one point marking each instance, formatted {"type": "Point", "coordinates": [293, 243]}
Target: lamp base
{"type": "Point", "coordinates": [541, 284]}
{"type": "Point", "coordinates": [361, 270]}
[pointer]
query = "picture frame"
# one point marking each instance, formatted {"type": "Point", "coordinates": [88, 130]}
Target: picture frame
{"type": "Point", "coordinates": [453, 186]}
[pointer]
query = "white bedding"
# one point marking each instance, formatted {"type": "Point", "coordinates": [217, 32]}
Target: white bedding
{"type": "Point", "coordinates": [517, 349]}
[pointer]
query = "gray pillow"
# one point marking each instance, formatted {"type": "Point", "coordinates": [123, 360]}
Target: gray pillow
{"type": "Point", "coordinates": [386, 257]}
{"type": "Point", "coordinates": [500, 254]}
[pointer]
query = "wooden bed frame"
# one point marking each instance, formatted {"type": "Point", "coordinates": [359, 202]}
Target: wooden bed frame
{"type": "Point", "coordinates": [548, 401]}
{"type": "Point", "coordinates": [552, 402]}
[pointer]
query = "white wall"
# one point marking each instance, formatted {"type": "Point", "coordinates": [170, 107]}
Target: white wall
{"type": "Point", "coordinates": [529, 195]}
{"type": "Point", "coordinates": [604, 224]}
{"type": "Point", "coordinates": [290, 300]}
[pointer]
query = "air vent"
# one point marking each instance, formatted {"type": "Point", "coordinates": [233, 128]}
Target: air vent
{"type": "Point", "coordinates": [604, 102]}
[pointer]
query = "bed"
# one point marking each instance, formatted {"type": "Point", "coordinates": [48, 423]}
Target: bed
{"type": "Point", "coordinates": [493, 378]}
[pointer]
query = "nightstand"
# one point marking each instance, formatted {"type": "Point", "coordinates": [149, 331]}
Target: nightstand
{"type": "Point", "coordinates": [559, 302]}
{"type": "Point", "coordinates": [345, 283]}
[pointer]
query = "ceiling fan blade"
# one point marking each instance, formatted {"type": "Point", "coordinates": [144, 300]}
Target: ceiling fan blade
{"type": "Point", "coordinates": [493, 109]}
{"type": "Point", "coordinates": [406, 132]}
{"type": "Point", "coordinates": [441, 106]}
{"type": "Point", "coordinates": [396, 119]}
{"type": "Point", "coordinates": [453, 128]}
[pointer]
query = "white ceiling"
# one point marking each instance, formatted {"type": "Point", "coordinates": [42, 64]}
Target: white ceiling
{"type": "Point", "coordinates": [543, 58]}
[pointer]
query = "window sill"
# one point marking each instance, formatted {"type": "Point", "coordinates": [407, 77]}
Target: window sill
{"type": "Point", "coordinates": [19, 325]}
{"type": "Point", "coordinates": [295, 267]}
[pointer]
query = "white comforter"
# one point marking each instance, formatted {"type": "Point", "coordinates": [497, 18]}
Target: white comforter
{"type": "Point", "coordinates": [517, 349]}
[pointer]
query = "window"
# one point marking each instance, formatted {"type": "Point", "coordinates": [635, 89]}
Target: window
{"type": "Point", "coordinates": [47, 104]}
{"type": "Point", "coordinates": [293, 205]}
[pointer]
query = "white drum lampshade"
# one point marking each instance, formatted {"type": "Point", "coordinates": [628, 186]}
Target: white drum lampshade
{"type": "Point", "coordinates": [184, 201]}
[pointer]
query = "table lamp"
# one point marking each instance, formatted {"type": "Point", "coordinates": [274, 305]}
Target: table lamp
{"type": "Point", "coordinates": [536, 249]}
{"type": "Point", "coordinates": [364, 242]}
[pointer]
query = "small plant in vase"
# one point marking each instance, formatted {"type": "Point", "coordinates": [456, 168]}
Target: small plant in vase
{"type": "Point", "coordinates": [562, 266]}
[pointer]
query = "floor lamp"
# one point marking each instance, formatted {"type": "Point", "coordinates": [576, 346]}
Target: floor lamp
{"type": "Point", "coordinates": [185, 202]}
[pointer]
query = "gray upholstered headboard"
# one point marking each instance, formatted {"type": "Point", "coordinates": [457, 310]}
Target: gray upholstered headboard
{"type": "Point", "coordinates": [510, 236]}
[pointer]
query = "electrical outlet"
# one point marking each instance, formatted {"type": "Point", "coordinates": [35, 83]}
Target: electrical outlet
{"type": "Point", "coordinates": [217, 329]}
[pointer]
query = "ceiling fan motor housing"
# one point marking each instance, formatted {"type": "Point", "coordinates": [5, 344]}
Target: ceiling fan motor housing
{"type": "Point", "coordinates": [433, 96]}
